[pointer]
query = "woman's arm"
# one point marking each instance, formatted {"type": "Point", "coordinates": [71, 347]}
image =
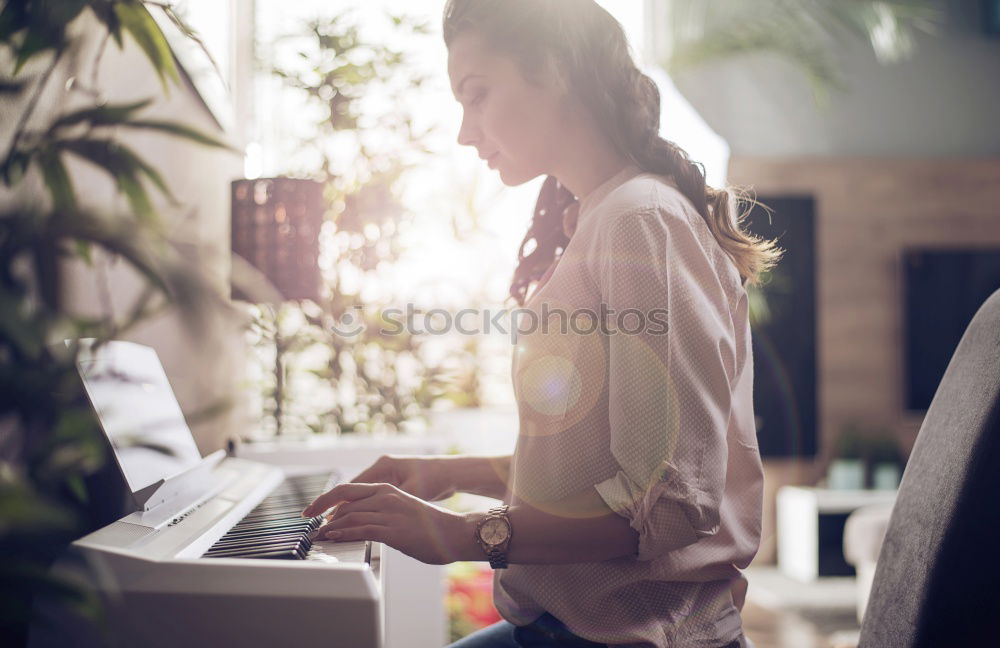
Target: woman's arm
{"type": "Point", "coordinates": [482, 475]}
{"type": "Point", "coordinates": [581, 528]}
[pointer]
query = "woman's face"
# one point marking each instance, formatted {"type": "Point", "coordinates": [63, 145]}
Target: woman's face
{"type": "Point", "coordinates": [513, 124]}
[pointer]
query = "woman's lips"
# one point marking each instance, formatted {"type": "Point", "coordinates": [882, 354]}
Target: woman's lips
{"type": "Point", "coordinates": [490, 159]}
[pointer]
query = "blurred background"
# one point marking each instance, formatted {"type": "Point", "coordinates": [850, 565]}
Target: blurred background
{"type": "Point", "coordinates": [292, 172]}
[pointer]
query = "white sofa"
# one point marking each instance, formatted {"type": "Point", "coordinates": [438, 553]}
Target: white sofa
{"type": "Point", "coordinates": [864, 532]}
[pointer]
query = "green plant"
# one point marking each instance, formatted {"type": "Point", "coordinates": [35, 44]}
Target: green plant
{"type": "Point", "coordinates": [806, 33]}
{"type": "Point", "coordinates": [337, 72]}
{"type": "Point", "coordinates": [49, 441]}
{"type": "Point", "coordinates": [884, 448]}
{"type": "Point", "coordinates": [850, 443]}
{"type": "Point", "coordinates": [870, 444]}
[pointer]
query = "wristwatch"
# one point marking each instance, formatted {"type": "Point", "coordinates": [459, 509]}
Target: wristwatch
{"type": "Point", "coordinates": [493, 534]}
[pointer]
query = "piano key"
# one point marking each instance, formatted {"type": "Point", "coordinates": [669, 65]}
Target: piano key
{"type": "Point", "coordinates": [286, 554]}
{"type": "Point", "coordinates": [275, 528]}
{"type": "Point", "coordinates": [266, 517]}
{"type": "Point", "coordinates": [264, 543]}
{"type": "Point", "coordinates": [271, 524]}
{"type": "Point", "coordinates": [263, 535]}
{"type": "Point", "coordinates": [247, 533]}
{"type": "Point", "coordinates": [274, 542]}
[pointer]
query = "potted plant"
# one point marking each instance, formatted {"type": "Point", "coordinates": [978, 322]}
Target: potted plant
{"type": "Point", "coordinates": [847, 470]}
{"type": "Point", "coordinates": [49, 440]}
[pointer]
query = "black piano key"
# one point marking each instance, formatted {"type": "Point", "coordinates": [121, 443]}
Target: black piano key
{"type": "Point", "coordinates": [275, 528]}
{"type": "Point", "coordinates": [269, 524]}
{"type": "Point", "coordinates": [260, 533]}
{"type": "Point", "coordinates": [273, 524]}
{"type": "Point", "coordinates": [255, 548]}
{"type": "Point", "coordinates": [264, 535]}
{"type": "Point", "coordinates": [250, 546]}
{"type": "Point", "coordinates": [261, 544]}
{"type": "Point", "coordinates": [281, 554]}
{"type": "Point", "coordinates": [250, 519]}
{"type": "Point", "coordinates": [301, 525]}
{"type": "Point", "coordinates": [301, 533]}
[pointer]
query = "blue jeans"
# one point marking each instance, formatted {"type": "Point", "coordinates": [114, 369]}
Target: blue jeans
{"type": "Point", "coordinates": [544, 632]}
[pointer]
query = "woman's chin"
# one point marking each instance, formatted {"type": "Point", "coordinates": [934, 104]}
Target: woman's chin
{"type": "Point", "coordinates": [513, 178]}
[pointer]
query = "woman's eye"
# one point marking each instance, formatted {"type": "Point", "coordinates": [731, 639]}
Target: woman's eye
{"type": "Point", "coordinates": [478, 98]}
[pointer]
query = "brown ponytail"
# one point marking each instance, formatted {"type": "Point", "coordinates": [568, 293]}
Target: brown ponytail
{"type": "Point", "coordinates": [591, 46]}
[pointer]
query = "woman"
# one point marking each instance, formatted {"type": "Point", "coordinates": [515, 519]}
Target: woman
{"type": "Point", "coordinates": [633, 497]}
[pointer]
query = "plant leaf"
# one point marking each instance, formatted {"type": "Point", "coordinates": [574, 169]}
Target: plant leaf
{"type": "Point", "coordinates": [83, 250]}
{"type": "Point", "coordinates": [8, 87]}
{"type": "Point", "coordinates": [44, 24]}
{"type": "Point", "coordinates": [804, 33]}
{"type": "Point", "coordinates": [155, 177]}
{"type": "Point", "coordinates": [13, 18]}
{"type": "Point", "coordinates": [136, 195]}
{"type": "Point", "coordinates": [47, 277]}
{"type": "Point", "coordinates": [124, 166]}
{"type": "Point", "coordinates": [136, 20]}
{"type": "Point", "coordinates": [106, 14]}
{"type": "Point", "coordinates": [193, 36]}
{"type": "Point", "coordinates": [35, 42]}
{"type": "Point", "coordinates": [57, 180]}
{"type": "Point", "coordinates": [180, 130]}
{"type": "Point", "coordinates": [13, 168]}
{"type": "Point", "coordinates": [112, 114]}
{"type": "Point", "coordinates": [122, 238]}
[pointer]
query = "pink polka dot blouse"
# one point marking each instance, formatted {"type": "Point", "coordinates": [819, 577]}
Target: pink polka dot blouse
{"type": "Point", "coordinates": [640, 386]}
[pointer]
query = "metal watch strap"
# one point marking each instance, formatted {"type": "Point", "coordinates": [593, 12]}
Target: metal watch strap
{"type": "Point", "coordinates": [498, 556]}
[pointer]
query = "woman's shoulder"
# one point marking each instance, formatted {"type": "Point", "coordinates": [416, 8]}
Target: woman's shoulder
{"type": "Point", "coordinates": [670, 220]}
{"type": "Point", "coordinates": [644, 195]}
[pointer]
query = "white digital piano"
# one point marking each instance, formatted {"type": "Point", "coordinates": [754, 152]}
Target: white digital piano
{"type": "Point", "coordinates": [215, 551]}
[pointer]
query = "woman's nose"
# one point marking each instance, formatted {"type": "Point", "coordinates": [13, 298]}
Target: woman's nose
{"type": "Point", "coordinates": [468, 134]}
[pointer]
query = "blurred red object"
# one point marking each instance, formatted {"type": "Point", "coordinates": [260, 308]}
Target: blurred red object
{"type": "Point", "coordinates": [470, 596]}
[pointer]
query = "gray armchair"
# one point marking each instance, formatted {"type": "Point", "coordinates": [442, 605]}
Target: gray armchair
{"type": "Point", "coordinates": [937, 579]}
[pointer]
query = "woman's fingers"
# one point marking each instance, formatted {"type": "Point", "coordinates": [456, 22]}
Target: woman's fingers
{"type": "Point", "coordinates": [382, 503]}
{"type": "Point", "coordinates": [352, 520]}
{"type": "Point", "coordinates": [367, 532]}
{"type": "Point", "coordinates": [345, 493]}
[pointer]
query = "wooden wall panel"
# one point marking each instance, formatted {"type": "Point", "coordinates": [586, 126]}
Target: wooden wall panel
{"type": "Point", "coordinates": [867, 211]}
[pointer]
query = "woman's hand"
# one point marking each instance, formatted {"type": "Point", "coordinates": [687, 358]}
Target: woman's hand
{"type": "Point", "coordinates": [384, 513]}
{"type": "Point", "coordinates": [431, 478]}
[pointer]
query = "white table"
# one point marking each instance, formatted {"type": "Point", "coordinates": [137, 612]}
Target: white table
{"type": "Point", "coordinates": [811, 528]}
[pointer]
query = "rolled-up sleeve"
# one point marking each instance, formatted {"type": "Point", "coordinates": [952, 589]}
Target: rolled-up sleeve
{"type": "Point", "coordinates": [669, 389]}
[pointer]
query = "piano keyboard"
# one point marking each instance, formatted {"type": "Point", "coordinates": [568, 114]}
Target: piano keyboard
{"type": "Point", "coordinates": [167, 576]}
{"type": "Point", "coordinates": [275, 529]}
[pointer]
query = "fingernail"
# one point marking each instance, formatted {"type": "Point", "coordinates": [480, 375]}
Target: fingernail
{"type": "Point", "coordinates": [332, 535]}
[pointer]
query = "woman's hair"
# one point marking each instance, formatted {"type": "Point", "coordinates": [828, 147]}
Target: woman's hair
{"type": "Point", "coordinates": [590, 47]}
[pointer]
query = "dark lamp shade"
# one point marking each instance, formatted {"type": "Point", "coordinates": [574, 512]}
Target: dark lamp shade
{"type": "Point", "coordinates": [275, 228]}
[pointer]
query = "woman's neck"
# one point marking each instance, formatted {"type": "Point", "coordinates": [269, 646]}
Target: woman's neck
{"type": "Point", "coordinates": [587, 162]}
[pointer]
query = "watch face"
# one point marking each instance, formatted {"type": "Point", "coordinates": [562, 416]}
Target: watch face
{"type": "Point", "coordinates": [495, 531]}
